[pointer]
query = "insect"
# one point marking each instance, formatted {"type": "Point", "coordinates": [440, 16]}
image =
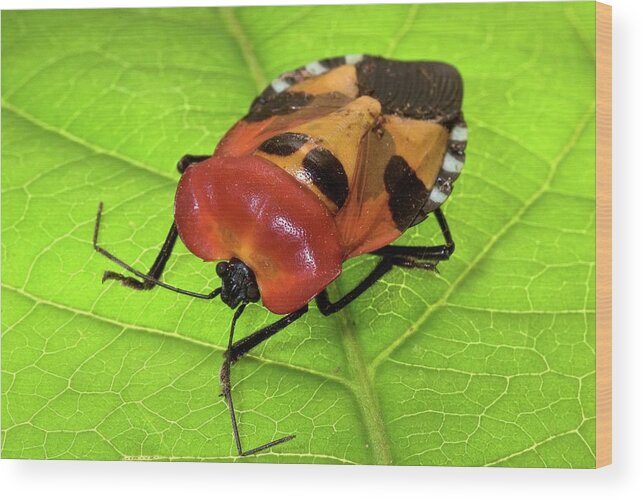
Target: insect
{"type": "Point", "coordinates": [333, 160]}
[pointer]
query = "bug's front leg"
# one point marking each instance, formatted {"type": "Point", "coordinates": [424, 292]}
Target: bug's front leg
{"type": "Point", "coordinates": [237, 350]}
{"type": "Point", "coordinates": [155, 271]}
{"type": "Point", "coordinates": [152, 278]}
{"type": "Point", "coordinates": [157, 268]}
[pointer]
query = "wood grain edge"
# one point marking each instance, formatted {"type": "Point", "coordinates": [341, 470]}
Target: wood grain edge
{"type": "Point", "coordinates": [603, 234]}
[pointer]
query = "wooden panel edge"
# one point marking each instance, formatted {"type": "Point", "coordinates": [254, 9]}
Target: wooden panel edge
{"type": "Point", "coordinates": [603, 234]}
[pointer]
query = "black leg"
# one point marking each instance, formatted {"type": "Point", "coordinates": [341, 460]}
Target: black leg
{"type": "Point", "coordinates": [233, 353]}
{"type": "Point", "coordinates": [159, 263]}
{"type": "Point", "coordinates": [188, 160]}
{"type": "Point", "coordinates": [155, 271]}
{"type": "Point", "coordinates": [392, 255]}
{"type": "Point", "coordinates": [153, 276]}
{"type": "Point", "coordinates": [326, 307]}
{"type": "Point", "coordinates": [434, 253]}
{"type": "Point", "coordinates": [158, 266]}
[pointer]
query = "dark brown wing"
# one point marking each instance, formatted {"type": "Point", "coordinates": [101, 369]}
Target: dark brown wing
{"type": "Point", "coordinates": [421, 90]}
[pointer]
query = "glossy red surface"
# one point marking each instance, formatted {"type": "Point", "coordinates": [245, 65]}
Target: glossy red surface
{"type": "Point", "coordinates": [246, 207]}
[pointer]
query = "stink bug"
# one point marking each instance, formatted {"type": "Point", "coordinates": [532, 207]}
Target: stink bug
{"type": "Point", "coordinates": [334, 160]}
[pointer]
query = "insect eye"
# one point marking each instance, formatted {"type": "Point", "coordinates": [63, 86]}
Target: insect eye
{"type": "Point", "coordinates": [222, 269]}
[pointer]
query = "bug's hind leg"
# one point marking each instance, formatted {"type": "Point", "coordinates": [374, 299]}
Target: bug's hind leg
{"type": "Point", "coordinates": [236, 351]}
{"type": "Point", "coordinates": [422, 257]}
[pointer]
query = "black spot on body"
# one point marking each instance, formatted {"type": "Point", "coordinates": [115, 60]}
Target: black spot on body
{"type": "Point", "coordinates": [407, 193]}
{"type": "Point", "coordinates": [327, 174]}
{"type": "Point", "coordinates": [284, 144]}
{"type": "Point", "coordinates": [283, 103]}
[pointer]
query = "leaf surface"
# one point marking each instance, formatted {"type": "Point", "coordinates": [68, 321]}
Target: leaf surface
{"type": "Point", "coordinates": [490, 362]}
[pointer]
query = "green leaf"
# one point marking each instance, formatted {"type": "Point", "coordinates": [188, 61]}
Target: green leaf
{"type": "Point", "coordinates": [490, 362]}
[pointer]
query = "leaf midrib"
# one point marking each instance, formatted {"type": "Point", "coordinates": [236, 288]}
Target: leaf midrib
{"type": "Point", "coordinates": [364, 389]}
